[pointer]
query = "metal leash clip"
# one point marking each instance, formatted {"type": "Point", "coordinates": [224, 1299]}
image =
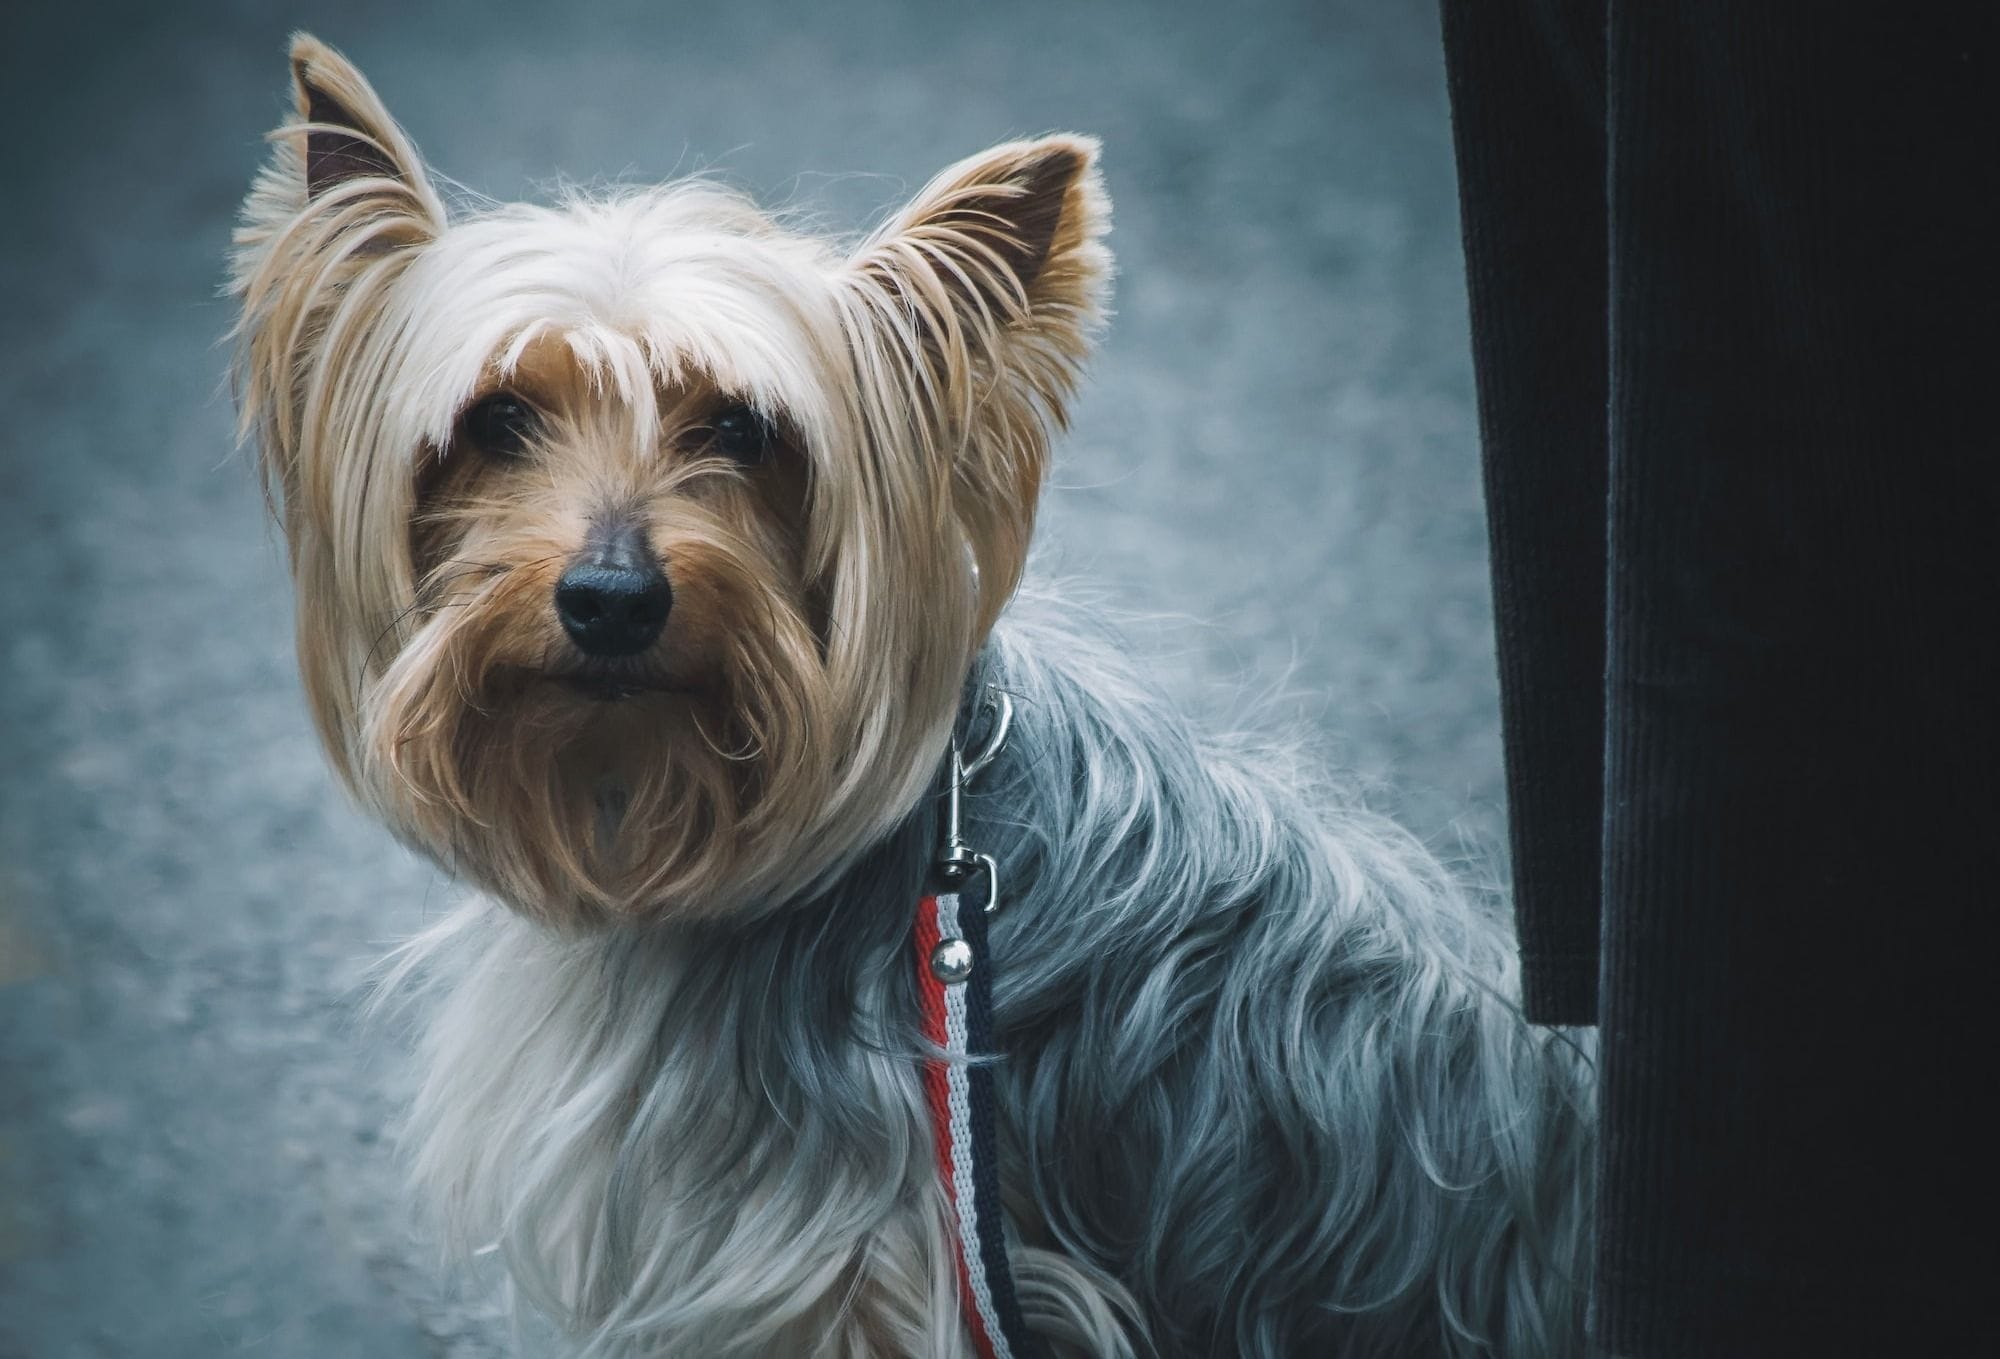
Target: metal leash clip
{"type": "Point", "coordinates": [957, 861]}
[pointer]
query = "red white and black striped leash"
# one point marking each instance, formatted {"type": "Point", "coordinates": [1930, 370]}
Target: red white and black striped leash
{"type": "Point", "coordinates": [955, 993]}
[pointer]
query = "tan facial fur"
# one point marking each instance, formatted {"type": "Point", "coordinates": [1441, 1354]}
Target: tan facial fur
{"type": "Point", "coordinates": [827, 597]}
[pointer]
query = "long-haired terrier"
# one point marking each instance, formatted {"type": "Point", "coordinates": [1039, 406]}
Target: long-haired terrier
{"type": "Point", "coordinates": [870, 962]}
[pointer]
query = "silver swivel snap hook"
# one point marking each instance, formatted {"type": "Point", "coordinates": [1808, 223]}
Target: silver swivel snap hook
{"type": "Point", "coordinates": [957, 861]}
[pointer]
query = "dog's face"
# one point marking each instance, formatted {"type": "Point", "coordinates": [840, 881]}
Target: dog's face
{"type": "Point", "coordinates": [641, 544]}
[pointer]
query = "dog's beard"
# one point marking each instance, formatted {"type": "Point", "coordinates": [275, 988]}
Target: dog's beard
{"type": "Point", "coordinates": [582, 796]}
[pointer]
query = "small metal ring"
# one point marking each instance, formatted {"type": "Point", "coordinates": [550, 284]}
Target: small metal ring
{"type": "Point", "coordinates": [992, 882]}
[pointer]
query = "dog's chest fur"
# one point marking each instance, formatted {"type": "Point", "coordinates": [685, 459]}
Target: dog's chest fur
{"type": "Point", "coordinates": [673, 1157]}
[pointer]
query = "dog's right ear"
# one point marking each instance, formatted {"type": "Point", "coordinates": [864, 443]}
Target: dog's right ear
{"type": "Point", "coordinates": [343, 182]}
{"type": "Point", "coordinates": [341, 205]}
{"type": "Point", "coordinates": [350, 139]}
{"type": "Point", "coordinates": [343, 156]}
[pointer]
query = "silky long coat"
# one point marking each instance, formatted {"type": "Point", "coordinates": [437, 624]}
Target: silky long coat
{"type": "Point", "coordinates": [1263, 1089]}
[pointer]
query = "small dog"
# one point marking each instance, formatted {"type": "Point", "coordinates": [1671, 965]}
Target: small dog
{"type": "Point", "coordinates": [657, 570]}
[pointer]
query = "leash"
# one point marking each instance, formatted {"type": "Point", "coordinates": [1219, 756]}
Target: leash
{"type": "Point", "coordinates": [955, 998]}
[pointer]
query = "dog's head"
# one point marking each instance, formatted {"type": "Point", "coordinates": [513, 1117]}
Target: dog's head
{"type": "Point", "coordinates": [642, 544]}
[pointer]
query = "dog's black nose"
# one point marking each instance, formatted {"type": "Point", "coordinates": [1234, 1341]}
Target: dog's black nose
{"type": "Point", "coordinates": [614, 599]}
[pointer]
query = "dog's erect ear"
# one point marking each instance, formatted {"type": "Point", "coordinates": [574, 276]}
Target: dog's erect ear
{"type": "Point", "coordinates": [1008, 241]}
{"type": "Point", "coordinates": [349, 137]}
{"type": "Point", "coordinates": [343, 184]}
{"type": "Point", "coordinates": [343, 187]}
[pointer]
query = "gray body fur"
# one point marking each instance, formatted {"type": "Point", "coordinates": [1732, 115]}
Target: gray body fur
{"type": "Point", "coordinates": [1263, 1089]}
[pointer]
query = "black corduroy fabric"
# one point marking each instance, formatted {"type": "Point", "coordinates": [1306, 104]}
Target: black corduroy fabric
{"type": "Point", "coordinates": [1542, 366]}
{"type": "Point", "coordinates": [1797, 488]}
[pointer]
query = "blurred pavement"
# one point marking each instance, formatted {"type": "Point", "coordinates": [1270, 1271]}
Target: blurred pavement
{"type": "Point", "coordinates": [1275, 464]}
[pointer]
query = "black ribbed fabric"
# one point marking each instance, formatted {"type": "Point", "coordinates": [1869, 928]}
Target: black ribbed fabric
{"type": "Point", "coordinates": [1527, 92]}
{"type": "Point", "coordinates": [1747, 612]}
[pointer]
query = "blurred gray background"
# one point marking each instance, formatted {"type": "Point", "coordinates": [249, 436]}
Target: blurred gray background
{"type": "Point", "coordinates": [1273, 471]}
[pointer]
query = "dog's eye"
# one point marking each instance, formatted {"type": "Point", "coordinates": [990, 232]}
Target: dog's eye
{"type": "Point", "coordinates": [741, 433]}
{"type": "Point", "coordinates": [500, 425]}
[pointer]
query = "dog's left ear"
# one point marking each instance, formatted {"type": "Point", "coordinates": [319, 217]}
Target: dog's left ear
{"type": "Point", "coordinates": [976, 305]}
{"type": "Point", "coordinates": [1005, 247]}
